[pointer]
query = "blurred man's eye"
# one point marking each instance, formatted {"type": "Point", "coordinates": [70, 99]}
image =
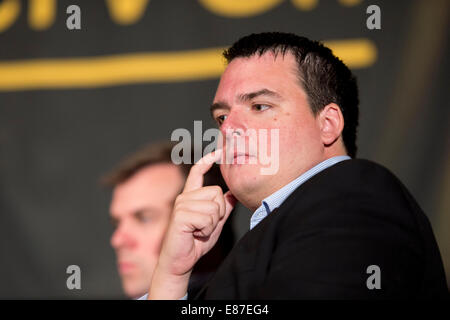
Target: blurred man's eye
{"type": "Point", "coordinates": [143, 217]}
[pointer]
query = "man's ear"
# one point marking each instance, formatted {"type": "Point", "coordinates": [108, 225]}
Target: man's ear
{"type": "Point", "coordinates": [331, 122]}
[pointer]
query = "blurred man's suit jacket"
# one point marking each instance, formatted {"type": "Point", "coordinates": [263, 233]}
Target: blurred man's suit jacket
{"type": "Point", "coordinates": [320, 242]}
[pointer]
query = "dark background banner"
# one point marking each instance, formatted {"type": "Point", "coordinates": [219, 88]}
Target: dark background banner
{"type": "Point", "coordinates": [74, 102]}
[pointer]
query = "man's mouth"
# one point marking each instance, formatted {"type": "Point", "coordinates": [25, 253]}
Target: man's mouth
{"type": "Point", "coordinates": [241, 157]}
{"type": "Point", "coordinates": [240, 154]}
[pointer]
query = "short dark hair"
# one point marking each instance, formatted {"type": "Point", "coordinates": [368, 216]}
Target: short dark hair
{"type": "Point", "coordinates": [323, 76]}
{"type": "Point", "coordinates": [157, 153]}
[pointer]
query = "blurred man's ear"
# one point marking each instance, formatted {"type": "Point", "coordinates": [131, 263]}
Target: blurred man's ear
{"type": "Point", "coordinates": [331, 121]}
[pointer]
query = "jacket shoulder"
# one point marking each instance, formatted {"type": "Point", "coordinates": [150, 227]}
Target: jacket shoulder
{"type": "Point", "coordinates": [353, 194]}
{"type": "Point", "coordinates": [354, 183]}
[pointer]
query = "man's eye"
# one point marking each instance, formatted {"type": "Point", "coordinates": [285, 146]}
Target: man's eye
{"type": "Point", "coordinates": [220, 119]}
{"type": "Point", "coordinates": [261, 107]}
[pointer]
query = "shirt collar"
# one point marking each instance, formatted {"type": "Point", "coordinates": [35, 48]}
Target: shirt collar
{"type": "Point", "coordinates": [277, 198]}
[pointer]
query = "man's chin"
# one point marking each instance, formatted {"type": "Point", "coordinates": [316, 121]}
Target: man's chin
{"type": "Point", "coordinates": [134, 284]}
{"type": "Point", "coordinates": [135, 291]}
{"type": "Point", "coordinates": [243, 179]}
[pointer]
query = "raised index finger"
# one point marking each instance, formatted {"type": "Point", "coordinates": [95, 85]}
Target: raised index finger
{"type": "Point", "coordinates": [195, 178]}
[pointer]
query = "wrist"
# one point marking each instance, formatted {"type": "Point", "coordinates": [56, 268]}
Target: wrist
{"type": "Point", "coordinates": [166, 286]}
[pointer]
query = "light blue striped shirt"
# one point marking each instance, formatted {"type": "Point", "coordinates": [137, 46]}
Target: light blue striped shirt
{"type": "Point", "coordinates": [276, 199]}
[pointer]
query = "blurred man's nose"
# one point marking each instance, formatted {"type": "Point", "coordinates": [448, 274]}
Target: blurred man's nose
{"type": "Point", "coordinates": [122, 237]}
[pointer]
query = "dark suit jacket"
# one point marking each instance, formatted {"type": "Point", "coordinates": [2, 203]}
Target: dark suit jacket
{"type": "Point", "coordinates": [319, 243]}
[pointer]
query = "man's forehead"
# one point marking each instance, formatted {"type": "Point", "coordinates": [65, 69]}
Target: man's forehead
{"type": "Point", "coordinates": [128, 205]}
{"type": "Point", "coordinates": [250, 74]}
{"type": "Point", "coordinates": [156, 184]}
{"type": "Point", "coordinates": [155, 171]}
{"type": "Point", "coordinates": [257, 72]}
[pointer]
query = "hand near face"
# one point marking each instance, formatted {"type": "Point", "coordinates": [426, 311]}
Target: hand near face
{"type": "Point", "coordinates": [196, 223]}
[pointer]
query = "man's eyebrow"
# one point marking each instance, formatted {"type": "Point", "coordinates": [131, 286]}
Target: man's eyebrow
{"type": "Point", "coordinates": [263, 92]}
{"type": "Point", "coordinates": [244, 97]}
{"type": "Point", "coordinates": [219, 105]}
{"type": "Point", "coordinates": [145, 210]}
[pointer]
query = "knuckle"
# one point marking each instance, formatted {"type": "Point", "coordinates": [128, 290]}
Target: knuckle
{"type": "Point", "coordinates": [215, 218]}
{"type": "Point", "coordinates": [212, 207]}
{"type": "Point", "coordinates": [216, 207]}
{"type": "Point", "coordinates": [215, 189]}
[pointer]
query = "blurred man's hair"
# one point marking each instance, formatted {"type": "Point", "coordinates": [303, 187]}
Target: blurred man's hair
{"type": "Point", "coordinates": [157, 153]}
{"type": "Point", "coordinates": [324, 78]}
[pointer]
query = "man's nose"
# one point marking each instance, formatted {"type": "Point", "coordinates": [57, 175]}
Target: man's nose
{"type": "Point", "coordinates": [233, 124]}
{"type": "Point", "coordinates": [122, 237]}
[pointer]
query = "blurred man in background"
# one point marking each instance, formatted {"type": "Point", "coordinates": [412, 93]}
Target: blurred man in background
{"type": "Point", "coordinates": [145, 186]}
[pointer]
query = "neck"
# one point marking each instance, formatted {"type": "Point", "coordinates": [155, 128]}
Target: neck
{"type": "Point", "coordinates": [253, 200]}
{"type": "Point", "coordinates": [334, 150]}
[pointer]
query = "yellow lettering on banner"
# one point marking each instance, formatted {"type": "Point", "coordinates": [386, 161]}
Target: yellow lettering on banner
{"type": "Point", "coordinates": [131, 68]}
{"type": "Point", "coordinates": [111, 70]}
{"type": "Point", "coordinates": [349, 3]}
{"type": "Point", "coordinates": [41, 14]}
{"type": "Point", "coordinates": [126, 12]}
{"type": "Point", "coordinates": [355, 53]}
{"type": "Point", "coordinates": [239, 8]}
{"type": "Point", "coordinates": [9, 11]}
{"type": "Point", "coordinates": [305, 5]}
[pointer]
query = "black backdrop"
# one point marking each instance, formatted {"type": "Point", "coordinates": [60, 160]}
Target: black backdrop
{"type": "Point", "coordinates": [59, 132]}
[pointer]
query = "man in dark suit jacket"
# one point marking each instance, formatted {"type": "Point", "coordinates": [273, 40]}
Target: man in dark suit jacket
{"type": "Point", "coordinates": [319, 243]}
{"type": "Point", "coordinates": [325, 226]}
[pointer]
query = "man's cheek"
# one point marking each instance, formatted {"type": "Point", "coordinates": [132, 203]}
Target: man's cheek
{"type": "Point", "coordinates": [284, 141]}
